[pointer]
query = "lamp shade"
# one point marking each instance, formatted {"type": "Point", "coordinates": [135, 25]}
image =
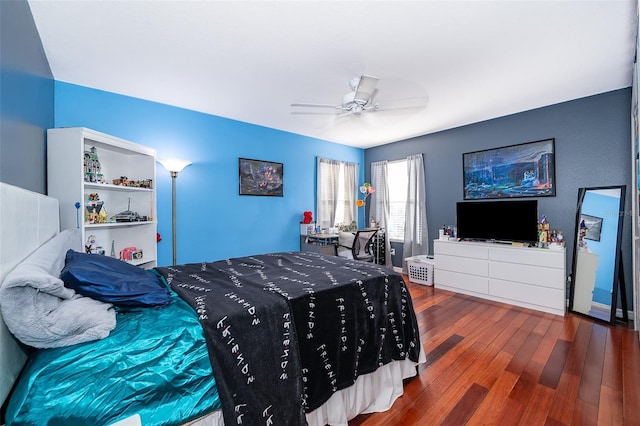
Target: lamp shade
{"type": "Point", "coordinates": [175, 165]}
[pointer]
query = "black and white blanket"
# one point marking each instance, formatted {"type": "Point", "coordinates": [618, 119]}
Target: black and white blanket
{"type": "Point", "coordinates": [286, 330]}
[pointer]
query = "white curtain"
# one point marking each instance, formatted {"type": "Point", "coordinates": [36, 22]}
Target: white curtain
{"type": "Point", "coordinates": [337, 186]}
{"type": "Point", "coordinates": [327, 191]}
{"type": "Point", "coordinates": [379, 204]}
{"type": "Point", "coordinates": [350, 210]}
{"type": "Point", "coordinates": [416, 239]}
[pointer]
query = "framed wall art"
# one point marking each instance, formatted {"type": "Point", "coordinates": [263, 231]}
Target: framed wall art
{"type": "Point", "coordinates": [594, 226]}
{"type": "Point", "coordinates": [259, 177]}
{"type": "Point", "coordinates": [523, 170]}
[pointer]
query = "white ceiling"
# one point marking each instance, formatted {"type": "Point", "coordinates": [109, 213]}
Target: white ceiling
{"type": "Point", "coordinates": [249, 60]}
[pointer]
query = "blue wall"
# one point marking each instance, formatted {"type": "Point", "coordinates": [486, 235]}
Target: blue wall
{"type": "Point", "coordinates": [26, 99]}
{"type": "Point", "coordinates": [213, 221]}
{"type": "Point", "coordinates": [592, 148]}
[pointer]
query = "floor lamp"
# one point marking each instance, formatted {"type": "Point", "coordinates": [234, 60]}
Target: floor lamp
{"type": "Point", "coordinates": [174, 166]}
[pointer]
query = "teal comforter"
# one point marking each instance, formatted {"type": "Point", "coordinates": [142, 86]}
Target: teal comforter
{"type": "Point", "coordinates": [155, 364]}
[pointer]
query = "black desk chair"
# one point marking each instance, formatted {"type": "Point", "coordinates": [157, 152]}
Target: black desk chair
{"type": "Point", "coordinates": [356, 246]}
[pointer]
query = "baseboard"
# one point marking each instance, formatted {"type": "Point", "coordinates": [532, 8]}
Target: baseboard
{"type": "Point", "coordinates": [629, 313]}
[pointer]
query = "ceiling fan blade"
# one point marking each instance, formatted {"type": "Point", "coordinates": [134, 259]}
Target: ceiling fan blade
{"type": "Point", "coordinates": [314, 113]}
{"type": "Point", "coordinates": [365, 89]}
{"type": "Point", "coordinates": [417, 102]}
{"type": "Point", "coordinates": [316, 106]}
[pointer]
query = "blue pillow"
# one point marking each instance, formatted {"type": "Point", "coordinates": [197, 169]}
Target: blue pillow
{"type": "Point", "coordinates": [112, 281]}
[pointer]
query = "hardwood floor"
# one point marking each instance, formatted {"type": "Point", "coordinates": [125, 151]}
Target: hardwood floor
{"type": "Point", "coordinates": [494, 364]}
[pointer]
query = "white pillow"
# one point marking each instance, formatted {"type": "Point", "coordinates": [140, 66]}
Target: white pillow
{"type": "Point", "coordinates": [40, 311]}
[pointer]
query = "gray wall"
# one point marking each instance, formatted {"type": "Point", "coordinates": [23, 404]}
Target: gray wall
{"type": "Point", "coordinates": [26, 99]}
{"type": "Point", "coordinates": [593, 148]}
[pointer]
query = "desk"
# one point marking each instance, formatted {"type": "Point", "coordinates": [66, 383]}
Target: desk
{"type": "Point", "coordinates": [319, 243]}
{"type": "Point", "coordinates": [326, 244]}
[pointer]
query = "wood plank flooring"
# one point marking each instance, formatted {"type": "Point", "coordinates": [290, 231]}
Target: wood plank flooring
{"type": "Point", "coordinates": [494, 364]}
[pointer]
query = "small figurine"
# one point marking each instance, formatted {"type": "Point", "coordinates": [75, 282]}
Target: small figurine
{"type": "Point", "coordinates": [91, 165]}
{"type": "Point", "coordinates": [307, 217]}
{"type": "Point", "coordinates": [103, 217]}
{"type": "Point", "coordinates": [88, 246]}
{"type": "Point", "coordinates": [93, 216]}
{"type": "Point", "coordinates": [94, 208]}
{"type": "Point", "coordinates": [544, 233]}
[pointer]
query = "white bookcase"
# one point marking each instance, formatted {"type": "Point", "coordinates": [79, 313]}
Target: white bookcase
{"type": "Point", "coordinates": [529, 277]}
{"type": "Point", "coordinates": [68, 181]}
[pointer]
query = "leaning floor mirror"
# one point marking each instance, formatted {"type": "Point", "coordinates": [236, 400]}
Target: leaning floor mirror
{"type": "Point", "coordinates": [597, 264]}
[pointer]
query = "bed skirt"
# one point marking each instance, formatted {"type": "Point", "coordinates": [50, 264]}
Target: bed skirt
{"type": "Point", "coordinates": [371, 393]}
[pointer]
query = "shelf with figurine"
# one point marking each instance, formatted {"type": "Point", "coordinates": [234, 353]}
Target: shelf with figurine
{"type": "Point", "coordinates": [132, 255]}
{"type": "Point", "coordinates": [94, 176]}
{"type": "Point", "coordinates": [95, 213]}
{"type": "Point", "coordinates": [109, 186]}
{"type": "Point", "coordinates": [105, 186]}
{"type": "Point", "coordinates": [118, 224]}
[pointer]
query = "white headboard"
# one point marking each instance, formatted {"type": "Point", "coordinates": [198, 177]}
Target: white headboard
{"type": "Point", "coordinates": [27, 220]}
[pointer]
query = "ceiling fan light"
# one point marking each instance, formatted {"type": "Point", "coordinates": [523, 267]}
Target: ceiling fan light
{"type": "Point", "coordinates": [365, 89]}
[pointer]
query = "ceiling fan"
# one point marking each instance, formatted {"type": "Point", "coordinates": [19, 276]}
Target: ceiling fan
{"type": "Point", "coordinates": [356, 102]}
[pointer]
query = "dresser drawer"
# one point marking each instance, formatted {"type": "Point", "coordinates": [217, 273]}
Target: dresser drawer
{"type": "Point", "coordinates": [463, 282]}
{"type": "Point", "coordinates": [466, 265]}
{"type": "Point", "coordinates": [545, 298]}
{"type": "Point", "coordinates": [528, 274]}
{"type": "Point", "coordinates": [528, 256]}
{"type": "Point", "coordinates": [452, 248]}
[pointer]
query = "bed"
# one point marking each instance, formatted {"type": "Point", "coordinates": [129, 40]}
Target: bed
{"type": "Point", "coordinates": [293, 338]}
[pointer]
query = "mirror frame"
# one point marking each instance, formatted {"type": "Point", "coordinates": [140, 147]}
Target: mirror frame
{"type": "Point", "coordinates": [617, 282]}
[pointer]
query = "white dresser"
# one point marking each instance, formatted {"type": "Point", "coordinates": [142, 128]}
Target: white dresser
{"type": "Point", "coordinates": [529, 277]}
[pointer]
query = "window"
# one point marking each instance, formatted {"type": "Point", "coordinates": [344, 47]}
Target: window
{"type": "Point", "coordinates": [398, 182]}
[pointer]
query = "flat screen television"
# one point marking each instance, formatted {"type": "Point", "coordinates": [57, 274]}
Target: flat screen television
{"type": "Point", "coordinates": [501, 221]}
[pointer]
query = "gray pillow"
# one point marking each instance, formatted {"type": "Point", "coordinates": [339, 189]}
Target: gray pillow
{"type": "Point", "coordinates": [40, 311]}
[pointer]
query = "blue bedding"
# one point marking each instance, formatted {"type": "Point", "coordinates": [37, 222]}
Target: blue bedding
{"type": "Point", "coordinates": [155, 364]}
